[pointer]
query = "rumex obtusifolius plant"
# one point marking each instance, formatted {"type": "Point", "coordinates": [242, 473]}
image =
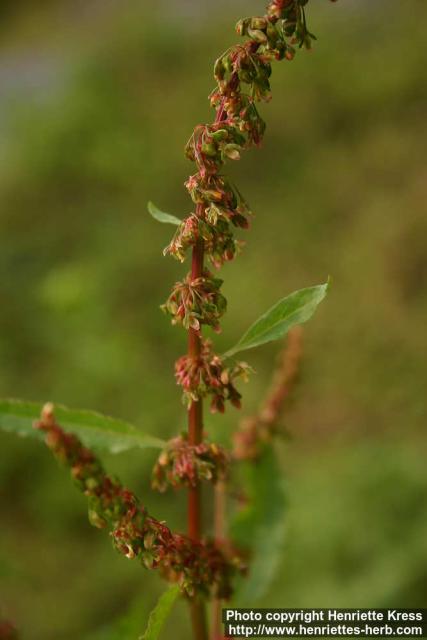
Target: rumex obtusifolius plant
{"type": "Point", "coordinates": [203, 568]}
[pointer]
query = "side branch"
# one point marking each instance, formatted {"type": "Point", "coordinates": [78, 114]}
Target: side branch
{"type": "Point", "coordinates": [256, 430]}
{"type": "Point", "coordinates": [199, 567]}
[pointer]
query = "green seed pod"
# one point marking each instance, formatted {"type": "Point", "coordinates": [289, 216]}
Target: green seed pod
{"type": "Point", "coordinates": [228, 65]}
{"type": "Point", "coordinates": [221, 134]}
{"type": "Point", "coordinates": [147, 560]}
{"type": "Point", "coordinates": [149, 540]}
{"type": "Point", "coordinates": [189, 151]}
{"type": "Point", "coordinates": [209, 149]}
{"type": "Point", "coordinates": [242, 26]}
{"type": "Point", "coordinates": [280, 50]}
{"type": "Point", "coordinates": [212, 214]}
{"type": "Point", "coordinates": [96, 520]}
{"type": "Point", "coordinates": [245, 76]}
{"type": "Point", "coordinates": [257, 35]}
{"type": "Point", "coordinates": [232, 151]}
{"type": "Point", "coordinates": [91, 483]}
{"type": "Point", "coordinates": [219, 69]}
{"type": "Point", "coordinates": [259, 23]}
{"type": "Point", "coordinates": [234, 200]}
{"type": "Point", "coordinates": [272, 34]}
{"type": "Point", "coordinates": [307, 42]}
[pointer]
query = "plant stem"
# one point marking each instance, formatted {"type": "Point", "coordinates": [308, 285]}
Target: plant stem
{"type": "Point", "coordinates": [198, 620]}
{"type": "Point", "coordinates": [195, 412]}
{"type": "Point", "coordinates": [195, 430]}
{"type": "Point", "coordinates": [195, 435]}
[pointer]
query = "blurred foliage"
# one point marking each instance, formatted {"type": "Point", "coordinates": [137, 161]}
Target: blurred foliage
{"type": "Point", "coordinates": [96, 107]}
{"type": "Point", "coordinates": [259, 525]}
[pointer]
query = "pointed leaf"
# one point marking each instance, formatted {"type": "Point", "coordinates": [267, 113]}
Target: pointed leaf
{"type": "Point", "coordinates": [161, 216]}
{"type": "Point", "coordinates": [160, 613]}
{"type": "Point", "coordinates": [296, 308]}
{"type": "Point", "coordinates": [260, 527]}
{"type": "Point", "coordinates": [94, 429]}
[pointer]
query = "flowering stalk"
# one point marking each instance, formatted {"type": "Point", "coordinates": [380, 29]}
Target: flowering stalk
{"type": "Point", "coordinates": [199, 568]}
{"type": "Point", "coordinates": [242, 74]}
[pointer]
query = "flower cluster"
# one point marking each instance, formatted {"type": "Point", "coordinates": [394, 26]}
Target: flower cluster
{"type": "Point", "coordinates": [196, 301]}
{"type": "Point", "coordinates": [199, 568]}
{"type": "Point", "coordinates": [182, 464]}
{"type": "Point", "coordinates": [206, 374]}
{"type": "Point", "coordinates": [242, 74]}
{"type": "Point", "coordinates": [289, 18]}
{"type": "Point", "coordinates": [220, 199]}
{"type": "Point", "coordinates": [219, 243]}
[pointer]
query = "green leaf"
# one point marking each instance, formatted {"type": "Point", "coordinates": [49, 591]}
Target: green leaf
{"type": "Point", "coordinates": [160, 613]}
{"type": "Point", "coordinates": [296, 308]}
{"type": "Point", "coordinates": [260, 527]}
{"type": "Point", "coordinates": [94, 429]}
{"type": "Point", "coordinates": [161, 216]}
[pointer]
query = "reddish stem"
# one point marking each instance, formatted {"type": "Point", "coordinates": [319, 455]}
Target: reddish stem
{"type": "Point", "coordinates": [195, 412]}
{"type": "Point", "coordinates": [195, 435]}
{"type": "Point", "coordinates": [195, 428]}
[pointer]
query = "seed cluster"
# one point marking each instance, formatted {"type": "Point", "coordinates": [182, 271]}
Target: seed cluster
{"type": "Point", "coordinates": [199, 568]}
{"type": "Point", "coordinates": [182, 464]}
{"type": "Point", "coordinates": [242, 75]}
{"type": "Point", "coordinates": [206, 374]}
{"type": "Point", "coordinates": [196, 301]}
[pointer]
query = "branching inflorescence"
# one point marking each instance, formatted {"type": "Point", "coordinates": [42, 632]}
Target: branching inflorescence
{"type": "Point", "coordinates": [242, 74]}
{"type": "Point", "coordinates": [199, 568]}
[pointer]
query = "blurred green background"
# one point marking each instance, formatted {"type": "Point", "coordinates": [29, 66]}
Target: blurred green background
{"type": "Point", "coordinates": [97, 99]}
